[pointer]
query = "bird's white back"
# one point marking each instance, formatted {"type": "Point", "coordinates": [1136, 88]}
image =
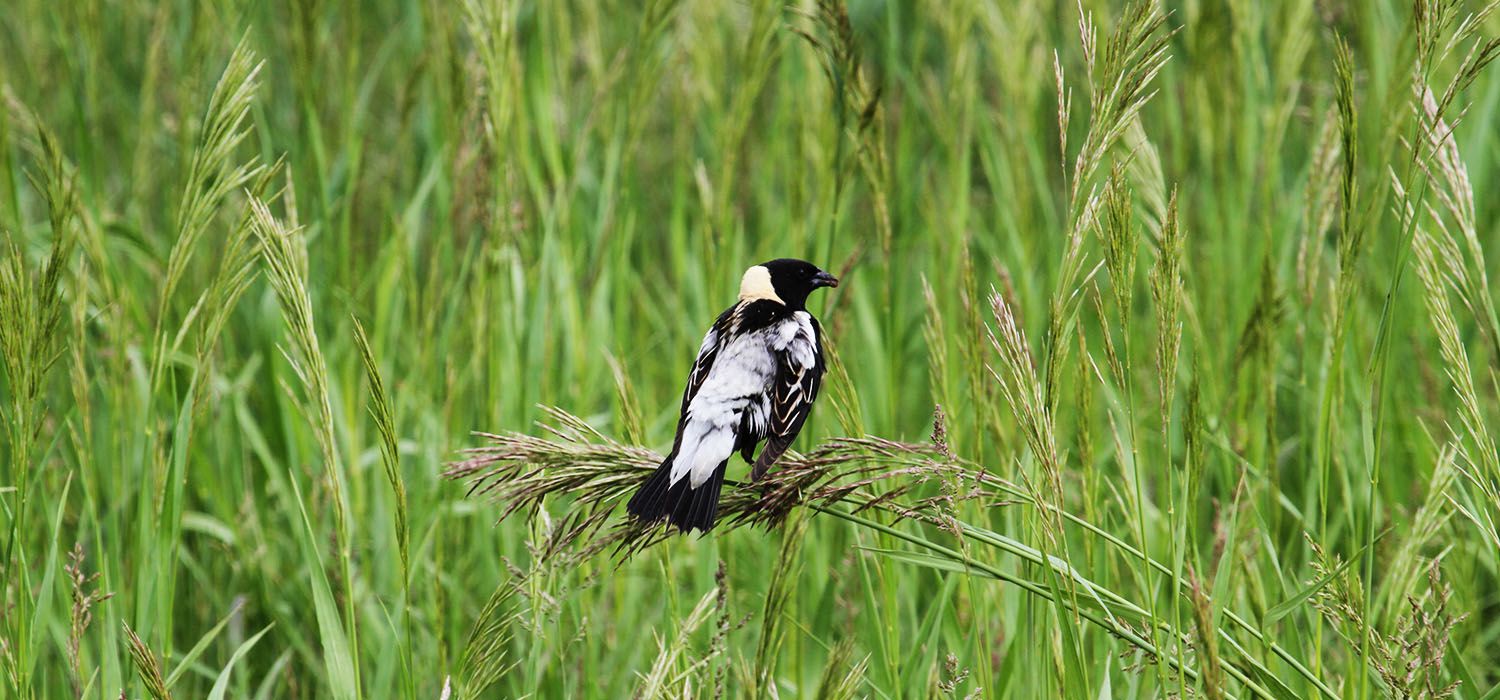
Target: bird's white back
{"type": "Point", "coordinates": [739, 381]}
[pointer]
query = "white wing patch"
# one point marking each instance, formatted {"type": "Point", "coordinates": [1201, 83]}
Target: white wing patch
{"type": "Point", "coordinates": [741, 380]}
{"type": "Point", "coordinates": [796, 336]}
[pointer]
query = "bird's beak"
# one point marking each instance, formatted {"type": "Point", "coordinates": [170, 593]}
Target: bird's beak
{"type": "Point", "coordinates": [823, 279]}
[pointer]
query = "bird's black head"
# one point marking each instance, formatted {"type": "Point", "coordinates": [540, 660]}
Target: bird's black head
{"type": "Point", "coordinates": [786, 280]}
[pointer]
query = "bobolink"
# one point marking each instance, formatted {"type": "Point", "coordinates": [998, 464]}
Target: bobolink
{"type": "Point", "coordinates": [755, 379]}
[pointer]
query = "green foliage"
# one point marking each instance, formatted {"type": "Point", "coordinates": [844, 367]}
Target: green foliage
{"type": "Point", "coordinates": [1182, 388]}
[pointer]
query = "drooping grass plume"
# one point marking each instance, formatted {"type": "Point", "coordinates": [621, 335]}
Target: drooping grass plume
{"type": "Point", "coordinates": [521, 472]}
{"type": "Point", "coordinates": [1119, 84]}
{"type": "Point", "coordinates": [1480, 456]}
{"type": "Point", "coordinates": [285, 256]}
{"type": "Point", "coordinates": [1022, 387]}
{"type": "Point", "coordinates": [390, 454]}
{"type": "Point", "coordinates": [213, 176]}
{"type": "Point", "coordinates": [1450, 263]}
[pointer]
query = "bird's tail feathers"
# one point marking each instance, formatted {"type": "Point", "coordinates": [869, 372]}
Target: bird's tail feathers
{"type": "Point", "coordinates": [685, 507]}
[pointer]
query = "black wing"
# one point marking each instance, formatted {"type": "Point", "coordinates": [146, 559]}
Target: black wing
{"type": "Point", "coordinates": [792, 396]}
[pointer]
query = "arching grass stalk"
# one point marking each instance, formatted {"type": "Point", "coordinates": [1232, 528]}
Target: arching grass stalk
{"type": "Point", "coordinates": [1104, 621]}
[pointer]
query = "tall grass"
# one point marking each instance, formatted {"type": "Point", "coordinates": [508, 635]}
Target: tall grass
{"type": "Point", "coordinates": [31, 313]}
{"type": "Point", "coordinates": [1163, 364]}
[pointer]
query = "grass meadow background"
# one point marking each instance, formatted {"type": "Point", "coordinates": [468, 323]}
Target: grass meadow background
{"type": "Point", "coordinates": [1213, 341]}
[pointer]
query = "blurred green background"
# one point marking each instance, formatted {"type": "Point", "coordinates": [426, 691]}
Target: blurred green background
{"type": "Point", "coordinates": [546, 203]}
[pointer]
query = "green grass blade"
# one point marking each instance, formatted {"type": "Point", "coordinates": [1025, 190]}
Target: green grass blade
{"type": "Point", "coordinates": [221, 684]}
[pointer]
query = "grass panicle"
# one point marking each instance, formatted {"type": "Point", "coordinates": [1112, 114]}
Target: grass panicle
{"type": "Point", "coordinates": [390, 457]}
{"type": "Point", "coordinates": [596, 474]}
{"type": "Point", "coordinates": [486, 654]}
{"type": "Point", "coordinates": [1023, 391]}
{"type": "Point", "coordinates": [147, 666]}
{"type": "Point", "coordinates": [390, 452]}
{"type": "Point", "coordinates": [214, 175]}
{"type": "Point", "coordinates": [1120, 238]}
{"type": "Point", "coordinates": [86, 595]}
{"type": "Point", "coordinates": [1166, 297]}
{"type": "Point", "coordinates": [675, 669]}
{"type": "Point", "coordinates": [843, 675]}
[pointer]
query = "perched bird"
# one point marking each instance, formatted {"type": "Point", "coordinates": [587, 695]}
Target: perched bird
{"type": "Point", "coordinates": [755, 379]}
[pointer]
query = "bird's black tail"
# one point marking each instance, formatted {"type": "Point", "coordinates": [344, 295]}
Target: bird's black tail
{"type": "Point", "coordinates": [681, 504]}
